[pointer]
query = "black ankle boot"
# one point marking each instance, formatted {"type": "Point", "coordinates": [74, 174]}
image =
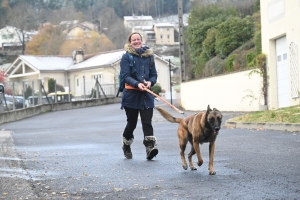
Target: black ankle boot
{"type": "Point", "coordinates": [126, 148]}
{"type": "Point", "coordinates": [151, 148]}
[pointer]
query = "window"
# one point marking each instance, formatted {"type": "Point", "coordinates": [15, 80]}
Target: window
{"type": "Point", "coordinates": [4, 37]}
{"type": "Point", "coordinates": [11, 36]}
{"type": "Point", "coordinates": [161, 36]}
{"type": "Point", "coordinates": [284, 56]}
{"type": "Point", "coordinates": [168, 29]}
{"type": "Point", "coordinates": [168, 36]}
{"type": "Point", "coordinates": [98, 76]}
{"type": "Point", "coordinates": [77, 82]}
{"type": "Point", "coordinates": [279, 58]}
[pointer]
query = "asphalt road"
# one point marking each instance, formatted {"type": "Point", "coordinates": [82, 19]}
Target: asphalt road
{"type": "Point", "coordinates": [77, 154]}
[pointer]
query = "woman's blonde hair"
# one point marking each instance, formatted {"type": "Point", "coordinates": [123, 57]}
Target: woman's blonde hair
{"type": "Point", "coordinates": [129, 37]}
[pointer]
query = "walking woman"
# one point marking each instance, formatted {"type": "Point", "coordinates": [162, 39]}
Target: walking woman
{"type": "Point", "coordinates": [138, 72]}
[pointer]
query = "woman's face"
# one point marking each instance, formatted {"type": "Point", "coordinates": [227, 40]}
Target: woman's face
{"type": "Point", "coordinates": [136, 41]}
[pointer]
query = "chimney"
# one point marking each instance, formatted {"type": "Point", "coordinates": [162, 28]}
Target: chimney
{"type": "Point", "coordinates": [78, 56]}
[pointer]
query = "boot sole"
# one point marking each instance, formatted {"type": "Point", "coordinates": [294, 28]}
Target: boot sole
{"type": "Point", "coordinates": [153, 153]}
{"type": "Point", "coordinates": [126, 155]}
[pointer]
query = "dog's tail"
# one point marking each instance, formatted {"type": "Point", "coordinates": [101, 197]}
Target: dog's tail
{"type": "Point", "coordinates": [168, 116]}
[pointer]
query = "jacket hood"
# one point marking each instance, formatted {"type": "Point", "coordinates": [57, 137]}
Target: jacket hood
{"type": "Point", "coordinates": [130, 49]}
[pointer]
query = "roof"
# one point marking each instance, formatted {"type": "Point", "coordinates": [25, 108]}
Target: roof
{"type": "Point", "coordinates": [164, 25]}
{"type": "Point", "coordinates": [99, 60]}
{"type": "Point", "coordinates": [144, 27]}
{"type": "Point", "coordinates": [150, 32]}
{"type": "Point", "coordinates": [131, 18]}
{"type": "Point", "coordinates": [48, 62]}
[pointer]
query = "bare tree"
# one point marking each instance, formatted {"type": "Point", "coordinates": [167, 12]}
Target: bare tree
{"type": "Point", "coordinates": [113, 27]}
{"type": "Point", "coordinates": [67, 13]}
{"type": "Point", "coordinates": [22, 17]}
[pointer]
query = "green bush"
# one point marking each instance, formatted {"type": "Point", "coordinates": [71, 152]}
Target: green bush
{"type": "Point", "coordinates": [196, 34]}
{"type": "Point", "coordinates": [198, 69]}
{"type": "Point", "coordinates": [28, 92]}
{"type": "Point", "coordinates": [229, 62]}
{"type": "Point", "coordinates": [233, 33]}
{"type": "Point", "coordinates": [250, 57]}
{"type": "Point", "coordinates": [246, 46]}
{"type": "Point", "coordinates": [156, 89]}
{"type": "Point", "coordinates": [240, 62]}
{"type": "Point", "coordinates": [209, 43]}
{"type": "Point", "coordinates": [214, 66]}
{"type": "Point", "coordinates": [51, 85]}
{"type": "Point", "coordinates": [257, 38]}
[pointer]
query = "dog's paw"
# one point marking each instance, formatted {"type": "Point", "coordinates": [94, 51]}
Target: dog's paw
{"type": "Point", "coordinates": [193, 168]}
{"type": "Point", "coordinates": [200, 163]}
{"type": "Point", "coordinates": [212, 173]}
{"type": "Point", "coordinates": [184, 167]}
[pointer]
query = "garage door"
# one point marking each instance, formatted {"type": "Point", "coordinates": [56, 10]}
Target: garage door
{"type": "Point", "coordinates": [283, 90]}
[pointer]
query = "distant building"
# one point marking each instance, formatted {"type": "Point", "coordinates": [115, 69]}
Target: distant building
{"type": "Point", "coordinates": [164, 33]}
{"type": "Point", "coordinates": [82, 30]}
{"type": "Point", "coordinates": [11, 39]}
{"type": "Point", "coordinates": [152, 33]}
{"type": "Point", "coordinates": [131, 21]}
{"type": "Point", "coordinates": [147, 33]}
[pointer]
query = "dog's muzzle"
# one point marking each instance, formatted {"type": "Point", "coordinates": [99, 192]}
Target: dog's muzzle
{"type": "Point", "coordinates": [217, 130]}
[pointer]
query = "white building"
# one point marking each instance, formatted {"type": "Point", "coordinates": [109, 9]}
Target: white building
{"type": "Point", "coordinates": [10, 37]}
{"type": "Point", "coordinates": [132, 21]}
{"type": "Point", "coordinates": [280, 42]}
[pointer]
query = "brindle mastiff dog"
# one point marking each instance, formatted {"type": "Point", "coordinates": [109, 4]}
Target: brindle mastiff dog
{"type": "Point", "coordinates": [199, 128]}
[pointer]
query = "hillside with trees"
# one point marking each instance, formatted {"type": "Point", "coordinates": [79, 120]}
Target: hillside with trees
{"type": "Point", "coordinates": [222, 38]}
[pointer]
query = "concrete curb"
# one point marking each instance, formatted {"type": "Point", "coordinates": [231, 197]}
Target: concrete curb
{"type": "Point", "coordinates": [263, 125]}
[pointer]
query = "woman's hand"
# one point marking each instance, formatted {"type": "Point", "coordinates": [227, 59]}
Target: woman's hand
{"type": "Point", "coordinates": [145, 85]}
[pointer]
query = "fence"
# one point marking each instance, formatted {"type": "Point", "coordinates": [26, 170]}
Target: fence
{"type": "Point", "coordinates": [87, 90]}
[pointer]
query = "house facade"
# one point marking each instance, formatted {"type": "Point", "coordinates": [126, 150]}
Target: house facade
{"type": "Point", "coordinates": [164, 33]}
{"type": "Point", "coordinates": [77, 74]}
{"type": "Point", "coordinates": [281, 43]}
{"type": "Point", "coordinates": [84, 30]}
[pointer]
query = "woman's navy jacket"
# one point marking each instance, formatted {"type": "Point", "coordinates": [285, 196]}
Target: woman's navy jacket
{"type": "Point", "coordinates": [140, 71]}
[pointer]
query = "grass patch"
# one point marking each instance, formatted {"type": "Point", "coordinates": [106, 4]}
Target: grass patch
{"type": "Point", "coordinates": [283, 115]}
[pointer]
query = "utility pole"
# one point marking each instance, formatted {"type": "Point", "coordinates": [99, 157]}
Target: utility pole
{"type": "Point", "coordinates": [181, 40]}
{"type": "Point", "coordinates": [170, 80]}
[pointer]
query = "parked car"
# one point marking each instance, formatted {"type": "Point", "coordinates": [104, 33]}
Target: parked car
{"type": "Point", "coordinates": [18, 100]}
{"type": "Point", "coordinates": [9, 105]}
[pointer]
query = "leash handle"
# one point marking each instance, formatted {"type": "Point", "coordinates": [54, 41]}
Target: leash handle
{"type": "Point", "coordinates": [172, 106]}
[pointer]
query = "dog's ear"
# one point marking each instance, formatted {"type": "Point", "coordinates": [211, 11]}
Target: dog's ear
{"type": "Point", "coordinates": [208, 108]}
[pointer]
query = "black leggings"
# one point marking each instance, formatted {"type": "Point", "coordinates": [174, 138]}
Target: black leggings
{"type": "Point", "coordinates": [132, 118]}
